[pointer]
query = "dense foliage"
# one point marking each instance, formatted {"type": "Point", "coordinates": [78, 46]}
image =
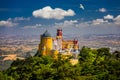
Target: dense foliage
{"type": "Point", "coordinates": [93, 64]}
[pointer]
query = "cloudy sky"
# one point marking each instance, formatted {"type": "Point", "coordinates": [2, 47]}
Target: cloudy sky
{"type": "Point", "coordinates": [75, 17]}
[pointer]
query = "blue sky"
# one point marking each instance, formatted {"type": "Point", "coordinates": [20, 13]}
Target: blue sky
{"type": "Point", "coordinates": [35, 16]}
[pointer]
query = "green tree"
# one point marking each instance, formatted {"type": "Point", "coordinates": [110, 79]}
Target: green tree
{"type": "Point", "coordinates": [5, 76]}
{"type": "Point", "coordinates": [94, 64]}
{"type": "Point", "coordinates": [87, 55]}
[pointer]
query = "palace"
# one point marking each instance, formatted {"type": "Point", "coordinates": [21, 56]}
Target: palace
{"type": "Point", "coordinates": [57, 45]}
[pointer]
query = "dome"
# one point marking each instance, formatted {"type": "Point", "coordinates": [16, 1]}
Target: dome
{"type": "Point", "coordinates": [46, 34]}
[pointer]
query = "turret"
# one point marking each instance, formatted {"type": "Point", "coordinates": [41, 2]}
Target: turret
{"type": "Point", "coordinates": [76, 44]}
{"type": "Point", "coordinates": [59, 39]}
{"type": "Point", "coordinates": [45, 45]}
{"type": "Point", "coordinates": [59, 33]}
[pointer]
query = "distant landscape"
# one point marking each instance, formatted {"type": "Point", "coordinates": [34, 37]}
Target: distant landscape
{"type": "Point", "coordinates": [22, 46]}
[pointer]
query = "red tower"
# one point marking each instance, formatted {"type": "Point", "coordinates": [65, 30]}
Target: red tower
{"type": "Point", "coordinates": [59, 32]}
{"type": "Point", "coordinates": [75, 42]}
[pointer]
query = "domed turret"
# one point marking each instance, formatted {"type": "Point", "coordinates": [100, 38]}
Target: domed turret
{"type": "Point", "coordinates": [46, 42]}
{"type": "Point", "coordinates": [46, 34]}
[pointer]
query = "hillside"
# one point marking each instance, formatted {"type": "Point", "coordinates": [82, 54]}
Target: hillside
{"type": "Point", "coordinates": [94, 64]}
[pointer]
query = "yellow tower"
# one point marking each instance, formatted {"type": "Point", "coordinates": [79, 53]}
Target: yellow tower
{"type": "Point", "coordinates": [45, 45]}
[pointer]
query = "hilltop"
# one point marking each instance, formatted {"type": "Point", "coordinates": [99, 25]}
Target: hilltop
{"type": "Point", "coordinates": [97, 64]}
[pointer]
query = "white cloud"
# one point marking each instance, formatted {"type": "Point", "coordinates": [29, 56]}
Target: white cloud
{"type": "Point", "coordinates": [84, 24]}
{"type": "Point", "coordinates": [66, 23]}
{"type": "Point", "coordinates": [108, 17]}
{"type": "Point", "coordinates": [33, 27]}
{"type": "Point", "coordinates": [103, 22]}
{"type": "Point", "coordinates": [70, 22]}
{"type": "Point", "coordinates": [49, 13]}
{"type": "Point", "coordinates": [117, 20]}
{"type": "Point", "coordinates": [19, 19]}
{"type": "Point", "coordinates": [7, 23]}
{"type": "Point", "coordinates": [99, 21]}
{"type": "Point", "coordinates": [102, 10]}
{"type": "Point", "coordinates": [82, 7]}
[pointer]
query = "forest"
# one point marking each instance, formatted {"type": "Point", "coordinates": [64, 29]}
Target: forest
{"type": "Point", "coordinates": [94, 64]}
